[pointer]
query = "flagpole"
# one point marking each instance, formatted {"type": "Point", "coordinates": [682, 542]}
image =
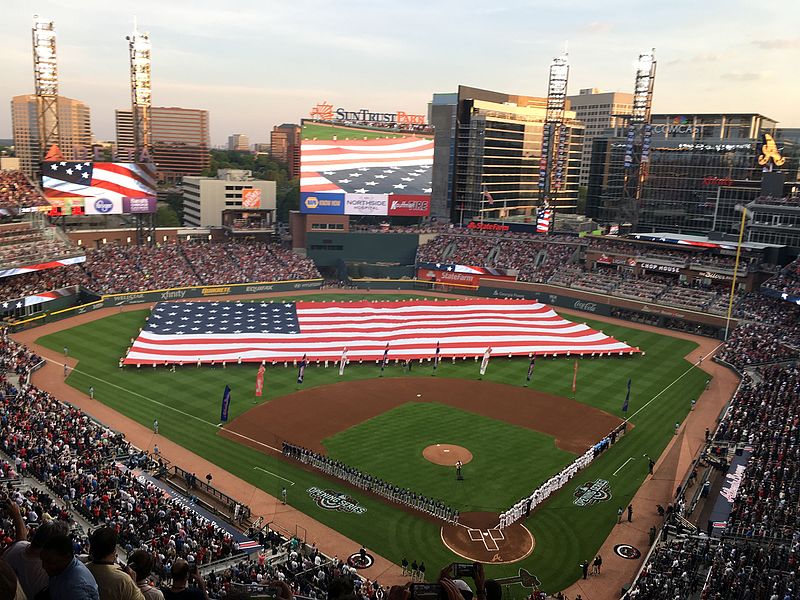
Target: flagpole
{"type": "Point", "coordinates": [735, 272]}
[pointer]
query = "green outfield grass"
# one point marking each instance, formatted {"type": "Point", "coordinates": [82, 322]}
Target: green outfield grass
{"type": "Point", "coordinates": [318, 131]}
{"type": "Point", "coordinates": [187, 404]}
{"type": "Point", "coordinates": [390, 446]}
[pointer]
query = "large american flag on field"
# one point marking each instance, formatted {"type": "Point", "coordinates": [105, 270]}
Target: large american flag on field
{"type": "Point", "coordinates": [69, 179]}
{"type": "Point", "coordinates": [286, 331]}
{"type": "Point", "coordinates": [399, 165]}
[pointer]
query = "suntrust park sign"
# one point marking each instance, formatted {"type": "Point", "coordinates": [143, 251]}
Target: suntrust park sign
{"type": "Point", "coordinates": [325, 111]}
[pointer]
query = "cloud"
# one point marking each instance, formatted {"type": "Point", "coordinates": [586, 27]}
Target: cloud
{"type": "Point", "coordinates": [777, 44]}
{"type": "Point", "coordinates": [703, 57]}
{"type": "Point", "coordinates": [596, 27]}
{"type": "Point", "coordinates": [742, 76]}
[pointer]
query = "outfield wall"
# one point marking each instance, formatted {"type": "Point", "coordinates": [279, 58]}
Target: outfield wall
{"type": "Point", "coordinates": [206, 291]}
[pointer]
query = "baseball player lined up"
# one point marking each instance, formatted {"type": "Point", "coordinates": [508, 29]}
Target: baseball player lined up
{"type": "Point", "coordinates": [364, 481]}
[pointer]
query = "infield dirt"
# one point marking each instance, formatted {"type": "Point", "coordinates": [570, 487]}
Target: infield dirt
{"type": "Point", "coordinates": [308, 417]}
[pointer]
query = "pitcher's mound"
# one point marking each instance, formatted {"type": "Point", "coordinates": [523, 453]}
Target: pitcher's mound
{"type": "Point", "coordinates": [477, 538]}
{"type": "Point", "coordinates": [447, 454]}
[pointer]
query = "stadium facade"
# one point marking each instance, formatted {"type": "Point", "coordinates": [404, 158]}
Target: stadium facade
{"type": "Point", "coordinates": [701, 168]}
{"type": "Point", "coordinates": [487, 150]}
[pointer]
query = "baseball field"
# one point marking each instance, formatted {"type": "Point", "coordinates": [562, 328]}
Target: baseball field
{"type": "Point", "coordinates": [518, 436]}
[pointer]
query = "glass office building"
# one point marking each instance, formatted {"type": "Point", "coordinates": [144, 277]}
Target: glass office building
{"type": "Point", "coordinates": [699, 171]}
{"type": "Point", "coordinates": [487, 150]}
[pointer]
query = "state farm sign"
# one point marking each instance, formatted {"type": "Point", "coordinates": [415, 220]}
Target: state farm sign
{"type": "Point", "coordinates": [409, 205]}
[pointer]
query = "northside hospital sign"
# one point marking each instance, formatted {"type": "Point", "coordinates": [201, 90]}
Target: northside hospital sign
{"type": "Point", "coordinates": [324, 111]}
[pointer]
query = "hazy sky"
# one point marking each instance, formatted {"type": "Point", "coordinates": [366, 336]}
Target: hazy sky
{"type": "Point", "coordinates": [264, 62]}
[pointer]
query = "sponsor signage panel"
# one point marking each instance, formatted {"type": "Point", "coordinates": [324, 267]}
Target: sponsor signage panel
{"type": "Point", "coordinates": [103, 206]}
{"type": "Point", "coordinates": [138, 205]}
{"type": "Point", "coordinates": [322, 203]}
{"type": "Point", "coordinates": [660, 268]}
{"type": "Point", "coordinates": [366, 204]}
{"type": "Point", "coordinates": [513, 227]}
{"type": "Point", "coordinates": [409, 205]}
{"type": "Point", "coordinates": [251, 198]}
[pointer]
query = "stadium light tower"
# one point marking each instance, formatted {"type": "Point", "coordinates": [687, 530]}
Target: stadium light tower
{"type": "Point", "coordinates": [637, 145]}
{"type": "Point", "coordinates": [45, 74]}
{"type": "Point", "coordinates": [553, 161]}
{"type": "Point", "coordinates": [141, 90]}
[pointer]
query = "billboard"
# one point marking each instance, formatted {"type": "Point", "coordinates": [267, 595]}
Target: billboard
{"type": "Point", "coordinates": [251, 198]}
{"type": "Point", "coordinates": [102, 206]}
{"type": "Point", "coordinates": [409, 205]}
{"type": "Point", "coordinates": [367, 162]}
{"type": "Point", "coordinates": [365, 204]}
{"type": "Point", "coordinates": [321, 203]}
{"type": "Point", "coordinates": [102, 187]}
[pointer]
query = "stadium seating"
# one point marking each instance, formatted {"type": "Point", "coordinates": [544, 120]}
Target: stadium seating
{"type": "Point", "coordinates": [787, 281]}
{"type": "Point", "coordinates": [18, 193]}
{"type": "Point", "coordinates": [115, 269]}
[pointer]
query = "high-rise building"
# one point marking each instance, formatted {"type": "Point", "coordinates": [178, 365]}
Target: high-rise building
{"type": "Point", "coordinates": [285, 146]}
{"type": "Point", "coordinates": [179, 140]}
{"type": "Point", "coordinates": [599, 112]}
{"type": "Point", "coordinates": [487, 149]}
{"type": "Point", "coordinates": [74, 127]}
{"type": "Point", "coordinates": [239, 142]}
{"type": "Point", "coordinates": [701, 168]}
{"type": "Point", "coordinates": [206, 198]}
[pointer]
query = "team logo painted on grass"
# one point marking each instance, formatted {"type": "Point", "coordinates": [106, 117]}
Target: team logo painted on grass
{"type": "Point", "coordinates": [333, 500]}
{"type": "Point", "coordinates": [627, 551]}
{"type": "Point", "coordinates": [355, 560]}
{"type": "Point", "coordinates": [592, 492]}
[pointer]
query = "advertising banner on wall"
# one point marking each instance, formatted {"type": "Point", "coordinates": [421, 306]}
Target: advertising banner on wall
{"type": "Point", "coordinates": [138, 205]}
{"type": "Point", "coordinates": [366, 204]}
{"type": "Point", "coordinates": [103, 206]}
{"type": "Point", "coordinates": [409, 205]}
{"type": "Point", "coordinates": [251, 198]}
{"type": "Point", "coordinates": [321, 203]}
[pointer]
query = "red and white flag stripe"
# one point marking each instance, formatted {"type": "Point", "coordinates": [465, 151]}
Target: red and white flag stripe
{"type": "Point", "coordinates": [462, 328]}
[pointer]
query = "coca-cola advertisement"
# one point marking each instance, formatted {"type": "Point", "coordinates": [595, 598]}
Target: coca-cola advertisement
{"type": "Point", "coordinates": [409, 205]}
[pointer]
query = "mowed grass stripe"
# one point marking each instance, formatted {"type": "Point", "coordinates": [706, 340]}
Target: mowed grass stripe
{"type": "Point", "coordinates": [390, 446]}
{"type": "Point", "coordinates": [565, 534]}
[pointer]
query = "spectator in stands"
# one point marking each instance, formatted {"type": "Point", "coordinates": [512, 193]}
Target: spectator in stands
{"type": "Point", "coordinates": [24, 557]}
{"type": "Point", "coordinates": [112, 582]}
{"type": "Point", "coordinates": [9, 584]}
{"type": "Point", "coordinates": [69, 577]}
{"type": "Point", "coordinates": [182, 574]}
{"type": "Point", "coordinates": [140, 566]}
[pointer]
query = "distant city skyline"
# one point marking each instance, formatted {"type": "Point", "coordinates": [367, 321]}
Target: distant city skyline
{"type": "Point", "coordinates": [267, 63]}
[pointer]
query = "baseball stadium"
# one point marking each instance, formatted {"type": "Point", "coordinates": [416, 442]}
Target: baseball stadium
{"type": "Point", "coordinates": [383, 386]}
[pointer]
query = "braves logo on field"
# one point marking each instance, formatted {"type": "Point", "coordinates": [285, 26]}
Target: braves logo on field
{"type": "Point", "coordinates": [627, 551]}
{"type": "Point", "coordinates": [333, 500]}
{"type": "Point", "coordinates": [592, 492]}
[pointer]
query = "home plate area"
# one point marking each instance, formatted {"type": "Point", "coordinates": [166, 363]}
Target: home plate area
{"type": "Point", "coordinates": [476, 537]}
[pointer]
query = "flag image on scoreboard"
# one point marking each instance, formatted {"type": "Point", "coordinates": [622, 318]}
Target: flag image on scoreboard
{"type": "Point", "coordinates": [364, 160]}
{"type": "Point", "coordinates": [205, 332]}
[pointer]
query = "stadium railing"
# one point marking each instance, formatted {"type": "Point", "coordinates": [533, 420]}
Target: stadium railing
{"type": "Point", "coordinates": [166, 295]}
{"type": "Point", "coordinates": [244, 511]}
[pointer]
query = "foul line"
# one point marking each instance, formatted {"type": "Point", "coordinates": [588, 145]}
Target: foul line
{"type": "Point", "coordinates": [289, 481]}
{"type": "Point", "coordinates": [623, 464]}
{"type": "Point", "coordinates": [674, 382]}
{"type": "Point", "coordinates": [167, 406]}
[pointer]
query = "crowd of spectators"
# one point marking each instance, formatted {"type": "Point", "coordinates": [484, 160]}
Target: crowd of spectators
{"type": "Point", "coordinates": [787, 281]}
{"type": "Point", "coordinates": [116, 269]}
{"type": "Point", "coordinates": [17, 193]}
{"type": "Point", "coordinates": [20, 245]}
{"type": "Point", "coordinates": [757, 556]}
